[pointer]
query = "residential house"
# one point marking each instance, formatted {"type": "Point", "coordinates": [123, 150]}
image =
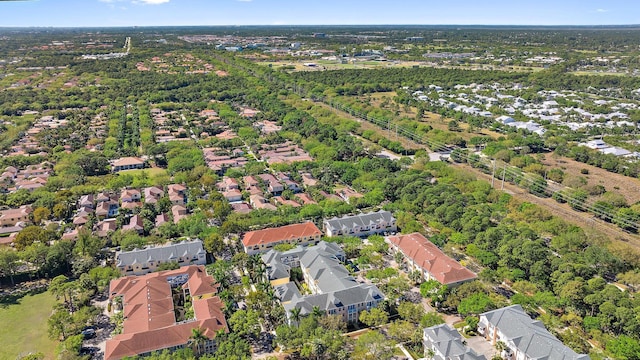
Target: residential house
{"type": "Point", "coordinates": [162, 219]}
{"type": "Point", "coordinates": [331, 197]}
{"type": "Point", "coordinates": [525, 339]}
{"type": "Point", "coordinates": [305, 199]}
{"type": "Point", "coordinates": [81, 218]}
{"type": "Point", "coordinates": [135, 224]}
{"type": "Point", "coordinates": [152, 194]}
{"type": "Point", "coordinates": [259, 202]}
{"type": "Point", "coordinates": [250, 181]}
{"type": "Point", "coordinates": [149, 312]}
{"type": "Point", "coordinates": [11, 217]}
{"type": "Point", "coordinates": [105, 196]}
{"type": "Point", "coordinates": [8, 234]}
{"type": "Point", "coordinates": [127, 163]}
{"type": "Point", "coordinates": [86, 201]}
{"type": "Point", "coordinates": [255, 242]}
{"type": "Point", "coordinates": [143, 261]}
{"type": "Point", "coordinates": [241, 207]}
{"type": "Point", "coordinates": [130, 195]}
{"type": "Point", "coordinates": [71, 235]}
{"type": "Point", "coordinates": [308, 180]}
{"type": "Point", "coordinates": [179, 212]}
{"type": "Point", "coordinates": [273, 185]}
{"type": "Point", "coordinates": [107, 209]}
{"type": "Point", "coordinates": [105, 227]}
{"type": "Point", "coordinates": [177, 194]}
{"type": "Point", "coordinates": [232, 195]}
{"type": "Point", "coordinates": [228, 184]}
{"type": "Point", "coordinates": [30, 185]}
{"type": "Point", "coordinates": [347, 194]}
{"type": "Point", "coordinates": [446, 343]}
{"type": "Point", "coordinates": [361, 225]}
{"type": "Point", "coordinates": [422, 255]}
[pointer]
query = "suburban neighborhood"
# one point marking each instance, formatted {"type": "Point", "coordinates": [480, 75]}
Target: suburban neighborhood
{"type": "Point", "coordinates": [318, 192]}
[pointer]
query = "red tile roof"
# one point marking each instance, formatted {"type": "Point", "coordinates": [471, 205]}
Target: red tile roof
{"type": "Point", "coordinates": [427, 256]}
{"type": "Point", "coordinates": [267, 236]}
{"type": "Point", "coordinates": [150, 323]}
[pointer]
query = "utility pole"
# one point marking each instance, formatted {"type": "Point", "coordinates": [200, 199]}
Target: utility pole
{"type": "Point", "coordinates": [504, 171]}
{"type": "Point", "coordinates": [493, 173]}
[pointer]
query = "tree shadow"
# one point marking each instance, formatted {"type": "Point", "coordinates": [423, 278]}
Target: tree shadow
{"type": "Point", "coordinates": [14, 298]}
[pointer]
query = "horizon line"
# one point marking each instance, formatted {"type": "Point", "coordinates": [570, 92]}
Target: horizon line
{"type": "Point", "coordinates": [319, 25]}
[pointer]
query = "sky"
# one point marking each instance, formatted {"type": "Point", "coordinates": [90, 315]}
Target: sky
{"type": "Point", "coordinates": [83, 13]}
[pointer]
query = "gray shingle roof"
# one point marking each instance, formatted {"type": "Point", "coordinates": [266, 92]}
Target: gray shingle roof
{"type": "Point", "coordinates": [164, 253]}
{"type": "Point", "coordinates": [361, 293]}
{"type": "Point", "coordinates": [287, 292]}
{"type": "Point", "coordinates": [449, 343]}
{"type": "Point", "coordinates": [337, 287]}
{"type": "Point", "coordinates": [530, 336]}
{"type": "Point", "coordinates": [361, 220]}
{"type": "Point", "coordinates": [327, 271]}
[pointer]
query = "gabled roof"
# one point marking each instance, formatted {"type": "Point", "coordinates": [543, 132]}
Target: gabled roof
{"type": "Point", "coordinates": [336, 286]}
{"type": "Point", "coordinates": [427, 256]}
{"type": "Point", "coordinates": [530, 336]}
{"type": "Point", "coordinates": [165, 253]}
{"type": "Point", "coordinates": [360, 220]}
{"type": "Point", "coordinates": [18, 212]}
{"type": "Point", "coordinates": [135, 223]}
{"type": "Point", "coordinates": [288, 232]}
{"type": "Point", "coordinates": [126, 161]}
{"type": "Point", "coordinates": [448, 342]}
{"type": "Point", "coordinates": [326, 270]}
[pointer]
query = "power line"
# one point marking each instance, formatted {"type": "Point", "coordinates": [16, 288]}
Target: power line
{"type": "Point", "coordinates": [526, 181]}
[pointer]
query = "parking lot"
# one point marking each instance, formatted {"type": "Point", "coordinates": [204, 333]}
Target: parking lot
{"type": "Point", "coordinates": [481, 346]}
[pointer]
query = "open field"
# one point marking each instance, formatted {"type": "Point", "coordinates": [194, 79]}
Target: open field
{"type": "Point", "coordinates": [151, 172]}
{"type": "Point", "coordinates": [624, 185]}
{"type": "Point", "coordinates": [434, 120]}
{"type": "Point", "coordinates": [23, 326]}
{"type": "Point", "coordinates": [594, 73]}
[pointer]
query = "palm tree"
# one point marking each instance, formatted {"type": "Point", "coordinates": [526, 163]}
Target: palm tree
{"type": "Point", "coordinates": [415, 276]}
{"type": "Point", "coordinates": [318, 348]}
{"type": "Point", "coordinates": [501, 346]}
{"type": "Point", "coordinates": [197, 340]}
{"type": "Point", "coordinates": [316, 312]}
{"type": "Point", "coordinates": [429, 354]}
{"type": "Point", "coordinates": [295, 315]}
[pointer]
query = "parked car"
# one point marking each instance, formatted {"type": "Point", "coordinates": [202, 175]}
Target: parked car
{"type": "Point", "coordinates": [88, 333]}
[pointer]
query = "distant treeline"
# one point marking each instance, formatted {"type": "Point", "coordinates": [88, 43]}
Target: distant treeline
{"type": "Point", "coordinates": [359, 81]}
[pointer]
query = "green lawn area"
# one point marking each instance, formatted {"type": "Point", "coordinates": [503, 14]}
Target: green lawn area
{"type": "Point", "coordinates": [594, 73]}
{"type": "Point", "coordinates": [151, 172]}
{"type": "Point", "coordinates": [23, 326]}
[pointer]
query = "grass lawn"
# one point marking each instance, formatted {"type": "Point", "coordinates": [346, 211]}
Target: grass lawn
{"type": "Point", "coordinates": [23, 326]}
{"type": "Point", "coordinates": [151, 172]}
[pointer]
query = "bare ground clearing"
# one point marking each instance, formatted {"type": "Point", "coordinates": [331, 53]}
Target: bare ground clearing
{"type": "Point", "coordinates": [624, 185]}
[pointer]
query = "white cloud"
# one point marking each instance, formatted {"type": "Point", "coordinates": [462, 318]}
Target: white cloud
{"type": "Point", "coordinates": [602, 10]}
